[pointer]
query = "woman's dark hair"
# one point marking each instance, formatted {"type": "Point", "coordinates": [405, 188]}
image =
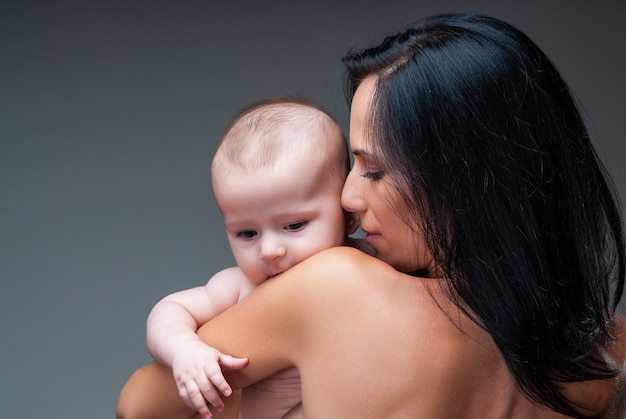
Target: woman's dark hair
{"type": "Point", "coordinates": [481, 136]}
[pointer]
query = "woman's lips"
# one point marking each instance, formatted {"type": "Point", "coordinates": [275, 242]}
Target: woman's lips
{"type": "Point", "coordinates": [371, 238]}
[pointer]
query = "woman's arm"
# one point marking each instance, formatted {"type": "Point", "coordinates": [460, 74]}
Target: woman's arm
{"type": "Point", "coordinates": [267, 326]}
{"type": "Point", "coordinates": [151, 392]}
{"type": "Point", "coordinates": [279, 324]}
{"type": "Point", "coordinates": [271, 327]}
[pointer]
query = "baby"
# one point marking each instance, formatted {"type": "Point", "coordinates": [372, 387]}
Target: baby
{"type": "Point", "coordinates": [277, 177]}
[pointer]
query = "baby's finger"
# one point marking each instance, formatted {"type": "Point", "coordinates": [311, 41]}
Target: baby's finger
{"type": "Point", "coordinates": [210, 393]}
{"type": "Point", "coordinates": [232, 363]}
{"type": "Point", "coordinates": [215, 376]}
{"type": "Point", "coordinates": [196, 397]}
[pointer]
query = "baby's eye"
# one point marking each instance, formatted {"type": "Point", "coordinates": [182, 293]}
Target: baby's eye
{"type": "Point", "coordinates": [247, 234]}
{"type": "Point", "coordinates": [296, 226]}
{"type": "Point", "coordinates": [373, 175]}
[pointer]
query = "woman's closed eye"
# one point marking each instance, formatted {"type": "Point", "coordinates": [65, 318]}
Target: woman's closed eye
{"type": "Point", "coordinates": [374, 175]}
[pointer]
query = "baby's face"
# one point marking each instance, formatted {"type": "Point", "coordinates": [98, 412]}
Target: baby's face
{"type": "Point", "coordinates": [275, 219]}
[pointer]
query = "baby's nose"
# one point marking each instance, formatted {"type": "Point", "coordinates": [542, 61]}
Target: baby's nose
{"type": "Point", "coordinates": [271, 249]}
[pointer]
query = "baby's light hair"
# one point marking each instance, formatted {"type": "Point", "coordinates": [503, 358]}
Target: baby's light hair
{"type": "Point", "coordinates": [283, 132]}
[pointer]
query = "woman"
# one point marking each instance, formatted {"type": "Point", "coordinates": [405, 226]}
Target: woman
{"type": "Point", "coordinates": [499, 249]}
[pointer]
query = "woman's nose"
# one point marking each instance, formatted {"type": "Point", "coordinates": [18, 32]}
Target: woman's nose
{"type": "Point", "coordinates": [271, 248]}
{"type": "Point", "coordinates": [351, 197]}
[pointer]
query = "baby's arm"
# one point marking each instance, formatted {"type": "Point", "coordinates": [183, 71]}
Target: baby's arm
{"type": "Point", "coordinates": [172, 338]}
{"type": "Point", "coordinates": [275, 336]}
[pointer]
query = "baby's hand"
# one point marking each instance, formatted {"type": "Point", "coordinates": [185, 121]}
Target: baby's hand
{"type": "Point", "coordinates": [198, 374]}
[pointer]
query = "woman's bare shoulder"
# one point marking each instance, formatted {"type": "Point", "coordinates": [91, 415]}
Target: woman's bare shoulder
{"type": "Point", "coordinates": [338, 272]}
{"type": "Point", "coordinates": [605, 398]}
{"type": "Point", "coordinates": [618, 345]}
{"type": "Point", "coordinates": [616, 353]}
{"type": "Point", "coordinates": [338, 259]}
{"type": "Point", "coordinates": [340, 267]}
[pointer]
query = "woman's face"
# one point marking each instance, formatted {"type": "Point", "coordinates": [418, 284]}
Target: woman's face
{"type": "Point", "coordinates": [369, 193]}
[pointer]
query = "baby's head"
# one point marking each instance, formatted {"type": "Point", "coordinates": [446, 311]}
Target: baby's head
{"type": "Point", "coordinates": [277, 177]}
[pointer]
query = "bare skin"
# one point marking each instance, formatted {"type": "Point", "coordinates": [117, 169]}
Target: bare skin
{"type": "Point", "coordinates": [279, 206]}
{"type": "Point", "coordinates": [443, 365]}
{"type": "Point", "coordinates": [367, 339]}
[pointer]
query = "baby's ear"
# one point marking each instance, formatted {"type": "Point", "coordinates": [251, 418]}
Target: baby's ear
{"type": "Point", "coordinates": [352, 222]}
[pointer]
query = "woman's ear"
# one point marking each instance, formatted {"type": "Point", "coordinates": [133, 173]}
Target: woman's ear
{"type": "Point", "coordinates": [352, 222]}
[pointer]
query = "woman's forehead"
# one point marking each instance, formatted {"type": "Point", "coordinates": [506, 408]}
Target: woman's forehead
{"type": "Point", "coordinates": [360, 114]}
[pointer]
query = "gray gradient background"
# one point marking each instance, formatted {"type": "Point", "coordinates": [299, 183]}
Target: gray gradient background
{"type": "Point", "coordinates": [110, 113]}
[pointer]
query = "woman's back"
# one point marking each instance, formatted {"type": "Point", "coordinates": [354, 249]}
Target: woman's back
{"type": "Point", "coordinates": [369, 342]}
{"type": "Point", "coordinates": [441, 364]}
{"type": "Point", "coordinates": [434, 369]}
